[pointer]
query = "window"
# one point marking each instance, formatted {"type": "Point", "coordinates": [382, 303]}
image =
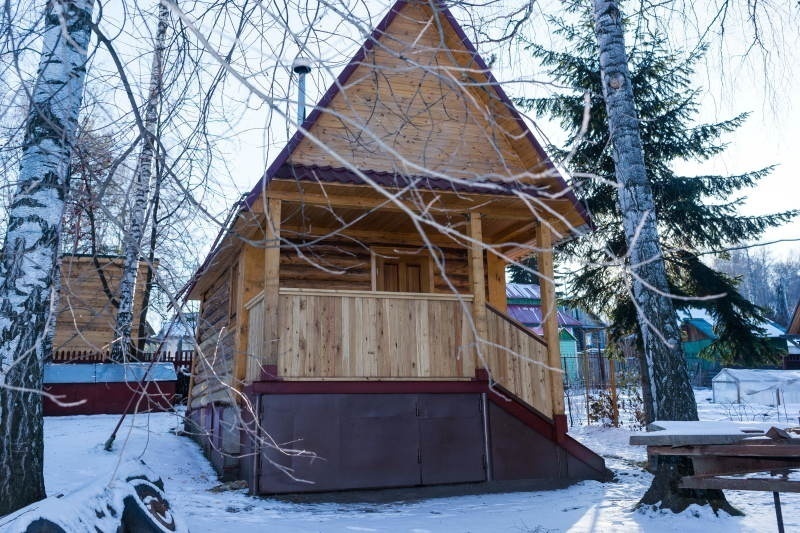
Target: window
{"type": "Point", "coordinates": [401, 270]}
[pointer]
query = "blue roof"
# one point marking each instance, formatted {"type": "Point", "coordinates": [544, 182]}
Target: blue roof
{"type": "Point", "coordinates": [107, 372]}
{"type": "Point", "coordinates": [703, 327]}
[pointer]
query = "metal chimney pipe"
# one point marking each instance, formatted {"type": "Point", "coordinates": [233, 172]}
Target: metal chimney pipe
{"type": "Point", "coordinates": [301, 66]}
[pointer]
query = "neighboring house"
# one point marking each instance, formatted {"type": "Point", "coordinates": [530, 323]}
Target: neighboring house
{"type": "Point", "coordinates": [581, 334]}
{"type": "Point", "coordinates": [86, 314]}
{"type": "Point", "coordinates": [176, 335]}
{"type": "Point", "coordinates": [697, 327]}
{"type": "Point", "coordinates": [324, 309]}
{"type": "Point", "coordinates": [524, 304]}
{"type": "Point", "coordinates": [792, 359]}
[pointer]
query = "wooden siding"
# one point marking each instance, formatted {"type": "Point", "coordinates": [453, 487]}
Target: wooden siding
{"type": "Point", "coordinates": [347, 265]}
{"type": "Point", "coordinates": [256, 337]}
{"type": "Point", "coordinates": [517, 360]}
{"type": "Point", "coordinates": [358, 335]}
{"type": "Point", "coordinates": [86, 317]}
{"type": "Point", "coordinates": [213, 365]}
{"type": "Point", "coordinates": [372, 335]}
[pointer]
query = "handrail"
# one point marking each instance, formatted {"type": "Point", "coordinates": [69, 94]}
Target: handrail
{"type": "Point", "coordinates": [378, 294]}
{"type": "Point", "coordinates": [435, 296]}
{"type": "Point", "coordinates": [517, 324]}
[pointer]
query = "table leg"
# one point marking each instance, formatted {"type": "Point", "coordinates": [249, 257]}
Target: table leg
{"type": "Point", "coordinates": [778, 513]}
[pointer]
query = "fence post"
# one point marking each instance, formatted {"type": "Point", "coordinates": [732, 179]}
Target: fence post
{"type": "Point", "coordinates": [612, 370]}
{"type": "Point", "coordinates": [586, 382]}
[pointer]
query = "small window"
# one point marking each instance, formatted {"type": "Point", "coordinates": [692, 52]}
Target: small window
{"type": "Point", "coordinates": [402, 270]}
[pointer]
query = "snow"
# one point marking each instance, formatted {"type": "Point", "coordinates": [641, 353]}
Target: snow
{"type": "Point", "coordinates": [74, 455]}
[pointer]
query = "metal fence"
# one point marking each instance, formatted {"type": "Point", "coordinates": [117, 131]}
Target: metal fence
{"type": "Point", "coordinates": [599, 390]}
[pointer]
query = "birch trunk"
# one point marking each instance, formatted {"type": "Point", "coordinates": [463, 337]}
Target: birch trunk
{"type": "Point", "coordinates": [30, 250]}
{"type": "Point", "coordinates": [670, 393]}
{"type": "Point", "coordinates": [121, 349]}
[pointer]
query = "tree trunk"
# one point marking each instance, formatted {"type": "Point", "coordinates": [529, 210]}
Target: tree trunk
{"type": "Point", "coordinates": [31, 246]}
{"type": "Point", "coordinates": [121, 349]}
{"type": "Point", "coordinates": [670, 391]}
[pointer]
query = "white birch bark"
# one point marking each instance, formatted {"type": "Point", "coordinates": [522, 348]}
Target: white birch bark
{"type": "Point", "coordinates": [133, 236]}
{"type": "Point", "coordinates": [30, 250]}
{"type": "Point", "coordinates": [670, 389]}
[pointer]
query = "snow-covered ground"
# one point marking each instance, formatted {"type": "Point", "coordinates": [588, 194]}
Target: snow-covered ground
{"type": "Point", "coordinates": [74, 456]}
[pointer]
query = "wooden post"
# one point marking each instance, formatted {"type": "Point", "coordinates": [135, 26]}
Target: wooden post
{"type": "Point", "coordinates": [272, 257]}
{"type": "Point", "coordinates": [250, 283]}
{"type": "Point", "coordinates": [544, 258]}
{"type": "Point", "coordinates": [477, 278]}
{"type": "Point", "coordinates": [496, 267]}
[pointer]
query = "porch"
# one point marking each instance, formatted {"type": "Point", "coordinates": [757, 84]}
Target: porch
{"type": "Point", "coordinates": [348, 335]}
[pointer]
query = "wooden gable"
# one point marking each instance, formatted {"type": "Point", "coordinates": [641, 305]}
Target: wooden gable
{"type": "Point", "coordinates": [417, 103]}
{"type": "Point", "coordinates": [86, 316]}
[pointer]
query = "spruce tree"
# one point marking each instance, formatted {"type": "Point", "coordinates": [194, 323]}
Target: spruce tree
{"type": "Point", "coordinates": [696, 214]}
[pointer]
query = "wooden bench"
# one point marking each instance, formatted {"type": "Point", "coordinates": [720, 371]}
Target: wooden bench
{"type": "Point", "coordinates": [730, 455]}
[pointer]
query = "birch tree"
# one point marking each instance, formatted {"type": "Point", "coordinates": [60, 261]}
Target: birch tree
{"type": "Point", "coordinates": [670, 391]}
{"type": "Point", "coordinates": [30, 249]}
{"type": "Point", "coordinates": [133, 236]}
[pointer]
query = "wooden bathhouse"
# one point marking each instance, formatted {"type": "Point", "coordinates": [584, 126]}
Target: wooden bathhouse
{"type": "Point", "coordinates": [352, 317]}
{"type": "Point", "coordinates": [86, 313]}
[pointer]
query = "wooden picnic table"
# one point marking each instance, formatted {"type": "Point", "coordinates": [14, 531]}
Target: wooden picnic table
{"type": "Point", "coordinates": [730, 455]}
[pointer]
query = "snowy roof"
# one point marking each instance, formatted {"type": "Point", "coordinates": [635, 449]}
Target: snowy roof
{"type": "Point", "coordinates": [767, 377]}
{"type": "Point", "coordinates": [107, 372]}
{"type": "Point", "coordinates": [696, 313]}
{"type": "Point", "coordinates": [532, 315]}
{"type": "Point", "coordinates": [523, 290]}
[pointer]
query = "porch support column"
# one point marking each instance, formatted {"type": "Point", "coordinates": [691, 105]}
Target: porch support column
{"type": "Point", "coordinates": [477, 278]}
{"type": "Point", "coordinates": [544, 259]}
{"type": "Point", "coordinates": [272, 256]}
{"type": "Point", "coordinates": [250, 283]}
{"type": "Point", "coordinates": [496, 269]}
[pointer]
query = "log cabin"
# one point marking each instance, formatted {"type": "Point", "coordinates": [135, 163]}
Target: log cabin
{"type": "Point", "coordinates": [352, 329]}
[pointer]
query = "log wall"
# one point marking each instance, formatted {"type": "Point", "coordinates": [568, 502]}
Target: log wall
{"type": "Point", "coordinates": [213, 365]}
{"type": "Point", "coordinates": [347, 265]}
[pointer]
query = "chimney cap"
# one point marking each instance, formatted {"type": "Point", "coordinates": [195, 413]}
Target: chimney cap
{"type": "Point", "coordinates": [301, 65]}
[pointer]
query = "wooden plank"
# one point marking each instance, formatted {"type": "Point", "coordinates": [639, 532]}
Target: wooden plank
{"type": "Point", "coordinates": [544, 256]}
{"type": "Point", "coordinates": [762, 484]}
{"type": "Point", "coordinates": [733, 450]}
{"type": "Point", "coordinates": [326, 335]}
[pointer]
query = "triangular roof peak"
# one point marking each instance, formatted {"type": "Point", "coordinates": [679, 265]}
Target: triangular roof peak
{"type": "Point", "coordinates": [417, 99]}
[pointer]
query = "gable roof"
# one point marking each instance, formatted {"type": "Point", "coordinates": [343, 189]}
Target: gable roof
{"type": "Point", "coordinates": [371, 130]}
{"type": "Point", "coordinates": [371, 151]}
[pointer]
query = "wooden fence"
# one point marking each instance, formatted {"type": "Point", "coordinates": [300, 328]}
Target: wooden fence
{"type": "Point", "coordinates": [179, 358]}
